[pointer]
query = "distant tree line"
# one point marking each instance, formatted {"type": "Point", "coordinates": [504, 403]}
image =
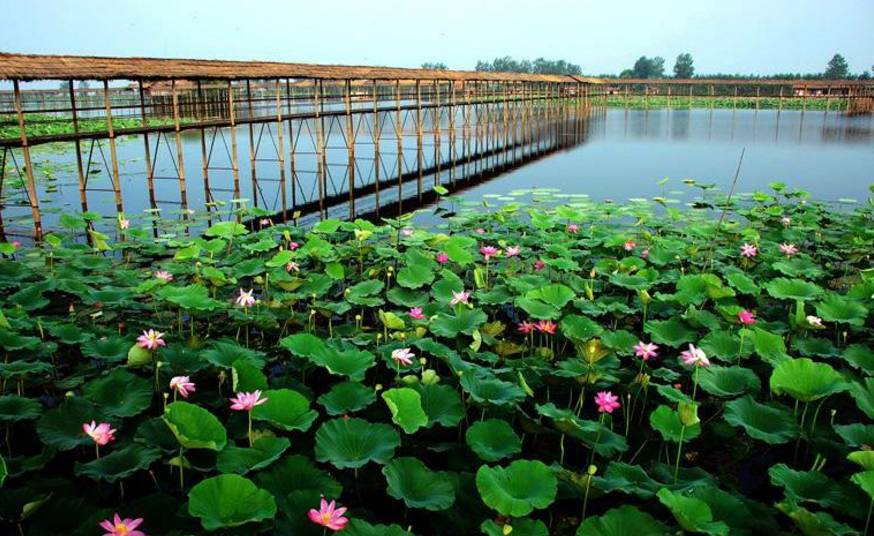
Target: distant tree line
{"type": "Point", "coordinates": [436, 65]}
{"type": "Point", "coordinates": [646, 67]}
{"type": "Point", "coordinates": [508, 64]}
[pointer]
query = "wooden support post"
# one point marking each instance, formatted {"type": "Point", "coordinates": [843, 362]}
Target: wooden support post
{"type": "Point", "coordinates": [828, 98]}
{"type": "Point", "coordinates": [350, 146]}
{"type": "Point", "coordinates": [252, 153]}
{"type": "Point", "coordinates": [280, 152]}
{"type": "Point", "coordinates": [321, 167]}
{"type": "Point", "coordinates": [690, 95]}
{"type": "Point", "coordinates": [399, 135]}
{"type": "Point", "coordinates": [669, 96]}
{"type": "Point", "coordinates": [235, 164]}
{"type": "Point", "coordinates": [204, 155]}
{"type": "Point", "coordinates": [734, 101]}
{"type": "Point", "coordinates": [759, 95]}
{"type": "Point", "coordinates": [180, 160]}
{"type": "Point", "coordinates": [113, 153]}
{"type": "Point", "coordinates": [435, 118]}
{"type": "Point", "coordinates": [292, 142]}
{"type": "Point", "coordinates": [32, 197]}
{"type": "Point", "coordinates": [80, 169]}
{"type": "Point", "coordinates": [375, 132]}
{"type": "Point", "coordinates": [465, 132]}
{"type": "Point", "coordinates": [780, 99]}
{"type": "Point", "coordinates": [419, 153]}
{"type": "Point", "coordinates": [452, 137]}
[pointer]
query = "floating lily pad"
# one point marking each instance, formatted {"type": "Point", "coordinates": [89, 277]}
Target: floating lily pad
{"type": "Point", "coordinates": [518, 489]}
{"type": "Point", "coordinates": [493, 440]}
{"type": "Point", "coordinates": [409, 480]}
{"type": "Point", "coordinates": [227, 501]}
{"type": "Point", "coordinates": [352, 443]}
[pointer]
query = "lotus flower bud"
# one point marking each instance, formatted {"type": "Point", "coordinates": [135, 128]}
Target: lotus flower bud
{"type": "Point", "coordinates": [506, 530]}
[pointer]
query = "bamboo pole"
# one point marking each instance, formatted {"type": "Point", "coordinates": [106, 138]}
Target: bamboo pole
{"type": "Point", "coordinates": [80, 169]}
{"type": "Point", "coordinates": [375, 132]}
{"type": "Point", "coordinates": [419, 153]}
{"type": "Point", "coordinates": [113, 154]}
{"type": "Point", "coordinates": [28, 166]}
{"type": "Point", "coordinates": [204, 156]}
{"type": "Point", "coordinates": [180, 160]}
{"type": "Point", "coordinates": [399, 135]}
{"type": "Point", "coordinates": [280, 151]}
{"type": "Point", "coordinates": [350, 147]}
{"type": "Point", "coordinates": [253, 168]}
{"type": "Point", "coordinates": [321, 170]}
{"type": "Point", "coordinates": [235, 163]}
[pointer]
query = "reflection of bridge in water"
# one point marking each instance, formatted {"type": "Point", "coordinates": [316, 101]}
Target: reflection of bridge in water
{"type": "Point", "coordinates": [321, 139]}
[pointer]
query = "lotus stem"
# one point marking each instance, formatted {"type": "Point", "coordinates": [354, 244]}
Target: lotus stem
{"type": "Point", "coordinates": [249, 414]}
{"type": "Point", "coordinates": [679, 453]}
{"type": "Point", "coordinates": [868, 518]}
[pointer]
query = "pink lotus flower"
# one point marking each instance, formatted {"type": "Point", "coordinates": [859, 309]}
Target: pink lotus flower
{"type": "Point", "coordinates": [513, 251]}
{"type": "Point", "coordinates": [247, 401]}
{"type": "Point", "coordinates": [16, 244]}
{"type": "Point", "coordinates": [480, 230]}
{"type": "Point", "coordinates": [293, 246]}
{"type": "Point", "coordinates": [182, 385]}
{"type": "Point", "coordinates": [101, 433]}
{"type": "Point", "coordinates": [264, 222]}
{"type": "Point", "coordinates": [407, 232]}
{"type": "Point", "coordinates": [164, 275]}
{"type": "Point", "coordinates": [646, 351]}
{"type": "Point", "coordinates": [746, 318]}
{"type": "Point", "coordinates": [539, 265]}
{"type": "Point", "coordinates": [151, 340]}
{"type": "Point", "coordinates": [442, 258]}
{"type": "Point", "coordinates": [292, 267]}
{"type": "Point", "coordinates": [525, 327]}
{"type": "Point", "coordinates": [328, 515]}
{"type": "Point", "coordinates": [695, 357]}
{"type": "Point", "coordinates": [629, 245]}
{"type": "Point", "coordinates": [607, 402]}
{"type": "Point", "coordinates": [488, 251]}
{"type": "Point", "coordinates": [416, 313]}
{"type": "Point", "coordinates": [573, 228]}
{"type": "Point", "coordinates": [124, 223]}
{"type": "Point", "coordinates": [403, 355]}
{"type": "Point", "coordinates": [749, 251]}
{"type": "Point", "coordinates": [122, 527]}
{"type": "Point", "coordinates": [459, 297]}
{"type": "Point", "coordinates": [246, 298]}
{"type": "Point", "coordinates": [546, 326]}
{"type": "Point", "coordinates": [644, 254]}
{"type": "Point", "coordinates": [814, 321]}
{"type": "Point", "coordinates": [788, 249]}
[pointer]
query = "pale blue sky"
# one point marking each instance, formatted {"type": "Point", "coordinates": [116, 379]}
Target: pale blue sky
{"type": "Point", "coordinates": [761, 36]}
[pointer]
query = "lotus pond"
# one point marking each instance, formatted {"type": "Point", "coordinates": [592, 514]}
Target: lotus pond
{"type": "Point", "coordinates": [521, 368]}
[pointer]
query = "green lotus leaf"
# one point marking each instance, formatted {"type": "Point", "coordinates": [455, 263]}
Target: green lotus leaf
{"type": "Point", "coordinates": [836, 308]}
{"type": "Point", "coordinates": [555, 294]}
{"type": "Point", "coordinates": [297, 484]}
{"type": "Point", "coordinates": [120, 393]}
{"type": "Point", "coordinates": [464, 321]}
{"type": "Point", "coordinates": [863, 394]}
{"type": "Point", "coordinates": [672, 332]}
{"type": "Point", "coordinates": [112, 349]}
{"type": "Point", "coordinates": [12, 341]}
{"type": "Point", "coordinates": [18, 408]}
{"type": "Point", "coordinates": [811, 486]}
{"type": "Point", "coordinates": [493, 440]}
{"type": "Point", "coordinates": [61, 427]}
{"type": "Point", "coordinates": [722, 345]}
{"type": "Point", "coordinates": [798, 267]}
{"type": "Point", "coordinates": [518, 489]}
{"type": "Point", "coordinates": [363, 293]}
{"type": "Point", "coordinates": [692, 514]}
{"type": "Point", "coordinates": [192, 297]}
{"type": "Point", "coordinates": [347, 397]}
{"type": "Point", "coordinates": [415, 276]}
{"type": "Point", "coordinates": [352, 443]}
{"type": "Point", "coordinates": [856, 434]}
{"type": "Point", "coordinates": [792, 289]}
{"type": "Point", "coordinates": [69, 333]}
{"type": "Point", "coordinates": [352, 363]}
{"type": "Point", "coordinates": [138, 357]}
{"type": "Point", "coordinates": [247, 377]}
{"type": "Point", "coordinates": [864, 458]}
{"type": "Point", "coordinates": [580, 328]}
{"type": "Point", "coordinates": [668, 423]}
{"type": "Point", "coordinates": [227, 230]}
{"type": "Point", "coordinates": [621, 341]}
{"type": "Point", "coordinates": [742, 283]}
{"type": "Point", "coordinates": [772, 424]}
{"type": "Point", "coordinates": [441, 404]}
{"type": "Point", "coordinates": [537, 309]}
{"type": "Point", "coordinates": [227, 501]}
{"type": "Point", "coordinates": [195, 427]}
{"type": "Point", "coordinates": [519, 527]}
{"type": "Point", "coordinates": [491, 390]}
{"type": "Point", "coordinates": [263, 452]}
{"type": "Point", "coordinates": [770, 346]}
{"type": "Point", "coordinates": [224, 353]}
{"type": "Point", "coordinates": [860, 357]}
{"type": "Point", "coordinates": [21, 369]}
{"type": "Point", "coordinates": [594, 434]}
{"type": "Point", "coordinates": [728, 381]}
{"type": "Point", "coordinates": [409, 480]}
{"type": "Point", "coordinates": [622, 521]}
{"type": "Point", "coordinates": [864, 480]}
{"type": "Point", "coordinates": [406, 297]}
{"type": "Point", "coordinates": [405, 405]}
{"type": "Point", "coordinates": [357, 527]}
{"type": "Point", "coordinates": [119, 464]}
{"type": "Point", "coordinates": [742, 515]}
{"type": "Point", "coordinates": [814, 523]}
{"type": "Point", "coordinates": [444, 287]}
{"type": "Point", "coordinates": [285, 409]}
{"type": "Point", "coordinates": [630, 281]}
{"type": "Point", "coordinates": [806, 380]}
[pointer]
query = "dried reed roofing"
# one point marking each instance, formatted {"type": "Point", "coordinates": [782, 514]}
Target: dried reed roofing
{"type": "Point", "coordinates": [50, 67]}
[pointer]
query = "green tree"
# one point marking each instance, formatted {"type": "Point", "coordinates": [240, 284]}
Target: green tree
{"type": "Point", "coordinates": [540, 66]}
{"type": "Point", "coordinates": [436, 65]}
{"type": "Point", "coordinates": [837, 68]}
{"type": "Point", "coordinates": [649, 67]}
{"type": "Point", "coordinates": [683, 67]}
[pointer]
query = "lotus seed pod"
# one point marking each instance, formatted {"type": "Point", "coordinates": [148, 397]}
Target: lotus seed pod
{"type": "Point", "coordinates": [507, 529]}
{"type": "Point", "coordinates": [591, 470]}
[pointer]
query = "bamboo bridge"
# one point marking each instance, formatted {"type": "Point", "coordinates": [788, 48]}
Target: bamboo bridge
{"type": "Point", "coordinates": [320, 140]}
